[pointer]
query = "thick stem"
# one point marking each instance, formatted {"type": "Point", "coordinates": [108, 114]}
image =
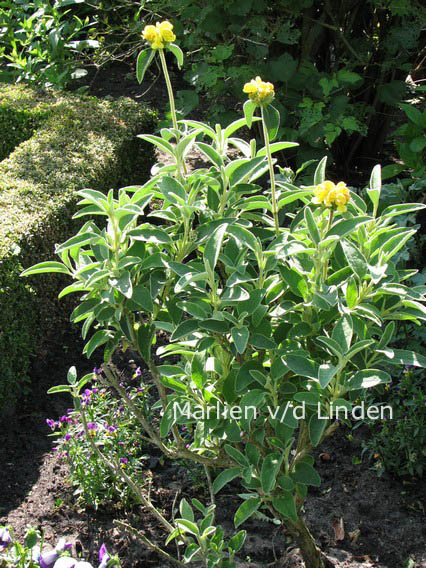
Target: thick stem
{"type": "Point", "coordinates": [311, 554]}
{"type": "Point", "coordinates": [271, 174]}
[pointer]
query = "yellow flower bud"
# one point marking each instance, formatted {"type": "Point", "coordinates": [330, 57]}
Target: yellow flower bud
{"type": "Point", "coordinates": [166, 31]}
{"type": "Point", "coordinates": [259, 92]}
{"type": "Point", "coordinates": [157, 36]}
{"type": "Point", "coordinates": [150, 33]}
{"type": "Point", "coordinates": [331, 195]}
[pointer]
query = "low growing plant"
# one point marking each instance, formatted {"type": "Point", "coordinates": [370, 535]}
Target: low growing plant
{"type": "Point", "coordinates": [398, 446]}
{"type": "Point", "coordinates": [32, 553]}
{"type": "Point", "coordinates": [275, 318]}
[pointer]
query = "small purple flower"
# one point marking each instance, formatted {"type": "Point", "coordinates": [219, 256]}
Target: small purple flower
{"type": "Point", "coordinates": [51, 423]}
{"type": "Point", "coordinates": [121, 443]}
{"type": "Point", "coordinates": [104, 557]}
{"type": "Point", "coordinates": [112, 428]}
{"type": "Point", "coordinates": [67, 437]}
{"type": "Point", "coordinates": [92, 426]}
{"type": "Point", "coordinates": [48, 559]}
{"type": "Point", "coordinates": [137, 373]}
{"type": "Point", "coordinates": [5, 538]}
{"type": "Point", "coordinates": [124, 461]}
{"type": "Point", "coordinates": [97, 371]}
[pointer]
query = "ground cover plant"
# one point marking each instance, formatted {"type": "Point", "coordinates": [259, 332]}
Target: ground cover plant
{"type": "Point", "coordinates": [277, 317]}
{"type": "Point", "coordinates": [32, 554]}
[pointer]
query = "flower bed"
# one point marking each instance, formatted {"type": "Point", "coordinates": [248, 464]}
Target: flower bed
{"type": "Point", "coordinates": [80, 142]}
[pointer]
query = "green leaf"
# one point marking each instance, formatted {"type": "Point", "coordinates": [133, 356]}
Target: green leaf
{"type": "Point", "coordinates": [404, 357]}
{"type": "Point", "coordinates": [211, 154]}
{"type": "Point", "coordinates": [316, 428]}
{"type": "Point", "coordinates": [343, 332]}
{"type": "Point", "coordinates": [301, 366]}
{"type": "Point", "coordinates": [59, 388]}
{"type": "Point", "coordinates": [98, 339]}
{"type": "Point", "coordinates": [355, 258]}
{"type": "Point", "coordinates": [159, 142]}
{"type": "Point", "coordinates": [197, 371]}
{"type": "Point", "coordinates": [143, 62]}
{"type": "Point", "coordinates": [310, 398]}
{"type": "Point", "coordinates": [177, 52]}
{"type": "Point", "coordinates": [186, 511]}
{"type": "Point", "coordinates": [262, 342]}
{"type": "Point", "coordinates": [225, 477]}
{"type": "Point", "coordinates": [150, 234]}
{"type": "Point", "coordinates": [240, 337]}
{"type": "Point", "coordinates": [345, 226]}
{"type": "Point", "coordinates": [214, 325]}
{"type": "Point", "coordinates": [145, 334]}
{"type": "Point", "coordinates": [213, 247]}
{"type": "Point", "coordinates": [367, 378]}
{"type": "Point", "coordinates": [359, 346]}
{"type": "Point", "coordinates": [168, 419]}
{"type": "Point", "coordinates": [187, 526]}
{"type": "Point", "coordinates": [185, 328]}
{"type": "Point", "coordinates": [332, 345]}
{"type": "Point", "coordinates": [294, 280]}
{"type": "Point", "coordinates": [351, 293]}
{"type": "Point", "coordinates": [375, 186]}
{"type": "Point", "coordinates": [243, 171]}
{"type": "Point", "coordinates": [326, 373]}
{"type": "Point", "coordinates": [276, 147]}
{"type": "Point", "coordinates": [272, 121]}
{"type": "Point", "coordinates": [72, 375]}
{"type": "Point", "coordinates": [172, 190]}
{"type": "Point", "coordinates": [402, 209]}
{"type": "Point", "coordinates": [414, 114]}
{"type": "Point", "coordinates": [246, 510]}
{"type": "Point", "coordinates": [78, 241]}
{"type": "Point", "coordinates": [307, 475]}
{"type": "Point", "coordinates": [270, 469]}
{"type": "Point", "coordinates": [312, 226]}
{"type": "Point", "coordinates": [231, 128]}
{"type": "Point", "coordinates": [142, 297]}
{"type": "Point", "coordinates": [49, 266]}
{"type": "Point", "coordinates": [286, 506]}
{"type": "Point", "coordinates": [124, 284]}
{"type": "Point", "coordinates": [237, 541]}
{"type": "Point", "coordinates": [236, 455]}
{"type": "Point", "coordinates": [249, 108]}
{"type": "Point", "coordinates": [244, 236]}
{"type": "Point", "coordinates": [319, 175]}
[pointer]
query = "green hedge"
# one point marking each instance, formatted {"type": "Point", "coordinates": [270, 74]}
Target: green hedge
{"type": "Point", "coordinates": [79, 142]}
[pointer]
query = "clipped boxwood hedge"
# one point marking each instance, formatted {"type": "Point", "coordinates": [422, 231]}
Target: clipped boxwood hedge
{"type": "Point", "coordinates": [76, 142]}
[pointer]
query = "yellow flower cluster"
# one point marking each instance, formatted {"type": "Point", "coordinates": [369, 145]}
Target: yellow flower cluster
{"type": "Point", "coordinates": [259, 92]}
{"type": "Point", "coordinates": [330, 195]}
{"type": "Point", "coordinates": [160, 34]}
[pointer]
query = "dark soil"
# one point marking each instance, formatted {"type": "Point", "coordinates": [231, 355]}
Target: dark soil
{"type": "Point", "coordinates": [359, 520]}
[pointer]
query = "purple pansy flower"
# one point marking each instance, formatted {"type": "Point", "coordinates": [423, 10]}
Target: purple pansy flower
{"type": "Point", "coordinates": [51, 423]}
{"type": "Point", "coordinates": [5, 538]}
{"type": "Point", "coordinates": [67, 437]}
{"type": "Point", "coordinates": [48, 559]}
{"type": "Point", "coordinates": [124, 461]}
